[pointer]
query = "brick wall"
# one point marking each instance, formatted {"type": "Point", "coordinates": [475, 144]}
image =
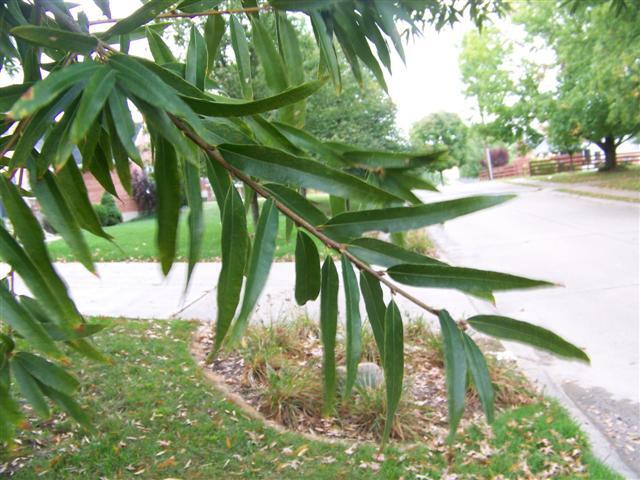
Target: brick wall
{"type": "Point", "coordinates": [125, 203]}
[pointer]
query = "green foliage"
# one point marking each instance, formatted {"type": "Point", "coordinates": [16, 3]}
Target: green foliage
{"type": "Point", "coordinates": [442, 129]}
{"type": "Point", "coordinates": [107, 211]}
{"type": "Point", "coordinates": [87, 102]}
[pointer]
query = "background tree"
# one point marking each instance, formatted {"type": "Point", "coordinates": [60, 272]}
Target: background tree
{"type": "Point", "coordinates": [442, 129]}
{"type": "Point", "coordinates": [78, 89]}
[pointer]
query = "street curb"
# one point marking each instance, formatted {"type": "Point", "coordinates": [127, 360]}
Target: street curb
{"type": "Point", "coordinates": [601, 447]}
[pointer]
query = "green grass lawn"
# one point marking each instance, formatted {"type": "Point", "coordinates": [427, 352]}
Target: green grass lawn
{"type": "Point", "coordinates": [159, 418]}
{"type": "Point", "coordinates": [625, 177]}
{"type": "Point", "coordinates": [136, 240]}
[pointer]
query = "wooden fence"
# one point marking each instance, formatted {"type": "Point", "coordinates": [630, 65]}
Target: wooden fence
{"type": "Point", "coordinates": [556, 164]}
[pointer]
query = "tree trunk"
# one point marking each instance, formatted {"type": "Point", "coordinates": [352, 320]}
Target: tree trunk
{"type": "Point", "coordinates": [609, 149]}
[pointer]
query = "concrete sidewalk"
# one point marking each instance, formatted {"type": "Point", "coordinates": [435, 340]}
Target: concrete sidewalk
{"type": "Point", "coordinates": [584, 188]}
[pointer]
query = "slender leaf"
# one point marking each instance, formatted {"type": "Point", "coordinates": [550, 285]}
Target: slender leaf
{"type": "Point", "coordinates": [290, 96]}
{"type": "Point", "coordinates": [374, 304]}
{"type": "Point", "coordinates": [10, 414]}
{"type": "Point", "coordinates": [291, 54]}
{"type": "Point", "coordinates": [307, 269]}
{"type": "Point", "coordinates": [47, 373]}
{"type": "Point", "coordinates": [234, 245]}
{"type": "Point", "coordinates": [272, 64]}
{"type": "Point", "coordinates": [480, 374]}
{"type": "Point", "coordinates": [243, 59]}
{"type": "Point", "coordinates": [47, 90]}
{"type": "Point", "coordinates": [30, 389]}
{"type": "Point", "coordinates": [195, 221]}
{"type": "Point", "coordinates": [476, 282]}
{"type": "Point", "coordinates": [93, 99]}
{"type": "Point", "coordinates": [393, 364]}
{"type": "Point", "coordinates": [167, 203]}
{"type": "Point", "coordinates": [220, 182]}
{"type": "Point", "coordinates": [69, 405]}
{"type": "Point", "coordinates": [311, 144]}
{"type": "Point", "coordinates": [518, 331]}
{"type": "Point", "coordinates": [373, 159]}
{"type": "Point", "coordinates": [324, 39]}
{"type": "Point", "coordinates": [328, 328]}
{"type": "Point", "coordinates": [159, 50]}
{"type": "Point", "coordinates": [354, 325]}
{"type": "Point", "coordinates": [196, 67]}
{"type": "Point", "coordinates": [385, 254]}
{"type": "Point", "coordinates": [297, 203]}
{"type": "Point", "coordinates": [55, 38]}
{"type": "Point", "coordinates": [260, 261]}
{"type": "Point", "coordinates": [214, 28]}
{"type": "Point", "coordinates": [123, 123]}
{"type": "Point", "coordinates": [455, 365]}
{"type": "Point", "coordinates": [399, 219]}
{"type": "Point", "coordinates": [276, 166]}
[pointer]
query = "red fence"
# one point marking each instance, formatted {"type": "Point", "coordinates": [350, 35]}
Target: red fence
{"type": "Point", "coordinates": [556, 164]}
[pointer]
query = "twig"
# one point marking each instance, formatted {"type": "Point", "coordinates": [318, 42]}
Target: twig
{"type": "Point", "coordinates": [206, 13]}
{"type": "Point", "coordinates": [215, 155]}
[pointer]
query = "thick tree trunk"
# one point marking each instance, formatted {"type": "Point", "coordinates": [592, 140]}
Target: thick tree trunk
{"type": "Point", "coordinates": [609, 148]}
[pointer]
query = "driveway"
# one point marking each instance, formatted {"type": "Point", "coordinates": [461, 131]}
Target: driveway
{"type": "Point", "coordinates": [590, 247]}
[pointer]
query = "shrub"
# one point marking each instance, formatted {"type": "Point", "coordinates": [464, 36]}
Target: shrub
{"type": "Point", "coordinates": [144, 192]}
{"type": "Point", "coordinates": [107, 211]}
{"type": "Point", "coordinates": [499, 157]}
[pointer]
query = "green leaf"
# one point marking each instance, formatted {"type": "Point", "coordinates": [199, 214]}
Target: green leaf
{"type": "Point", "coordinates": [100, 167]}
{"type": "Point", "coordinates": [10, 414]}
{"type": "Point", "coordinates": [374, 159]}
{"type": "Point", "coordinates": [219, 180]}
{"type": "Point", "coordinates": [324, 39]}
{"type": "Point", "coordinates": [14, 315]}
{"type": "Point", "coordinates": [120, 156]}
{"type": "Point", "coordinates": [159, 122]}
{"type": "Point", "coordinates": [60, 215]}
{"type": "Point", "coordinates": [103, 5]}
{"type": "Point", "coordinates": [272, 64]}
{"type": "Point", "coordinates": [269, 136]}
{"type": "Point", "coordinates": [159, 50]}
{"type": "Point", "coordinates": [311, 144]}
{"type": "Point", "coordinates": [277, 166]}
{"type": "Point", "coordinates": [195, 221]}
{"type": "Point", "coordinates": [243, 60]}
{"type": "Point", "coordinates": [399, 219]}
{"type": "Point", "coordinates": [141, 16]}
{"type": "Point", "coordinates": [47, 373]}
{"type": "Point", "coordinates": [214, 28]}
{"type": "Point", "coordinates": [212, 108]}
{"type": "Point", "coordinates": [30, 389]}
{"type": "Point", "coordinates": [393, 364]}
{"type": "Point", "coordinates": [93, 99]}
{"type": "Point", "coordinates": [75, 193]}
{"type": "Point", "coordinates": [374, 304]}
{"type": "Point", "coordinates": [523, 332]}
{"type": "Point", "coordinates": [476, 282]}
{"type": "Point", "coordinates": [47, 286]}
{"type": "Point", "coordinates": [354, 325]}
{"type": "Point", "coordinates": [196, 67]}
{"type": "Point", "coordinates": [260, 261]}
{"type": "Point", "coordinates": [69, 405]}
{"type": "Point", "coordinates": [55, 38]}
{"type": "Point", "coordinates": [296, 203]}
{"type": "Point", "coordinates": [385, 254]}
{"type": "Point", "coordinates": [307, 269]}
{"type": "Point", "coordinates": [455, 365]}
{"type": "Point", "coordinates": [167, 202]}
{"type": "Point", "coordinates": [234, 243]}
{"type": "Point", "coordinates": [11, 94]}
{"type": "Point", "coordinates": [44, 92]}
{"type": "Point", "coordinates": [195, 6]}
{"type": "Point", "coordinates": [328, 328]}
{"type": "Point", "coordinates": [123, 123]}
{"type": "Point", "coordinates": [480, 374]}
{"type": "Point", "coordinates": [291, 54]}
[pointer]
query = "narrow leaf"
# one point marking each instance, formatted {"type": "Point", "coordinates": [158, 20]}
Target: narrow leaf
{"type": "Point", "coordinates": [214, 28]}
{"type": "Point", "coordinates": [480, 374]}
{"type": "Point", "coordinates": [196, 66]}
{"type": "Point", "coordinates": [518, 331]}
{"type": "Point", "coordinates": [234, 242]}
{"type": "Point", "coordinates": [328, 328]}
{"type": "Point", "coordinates": [455, 364]}
{"type": "Point", "coordinates": [260, 261]}
{"type": "Point", "coordinates": [93, 99]}
{"type": "Point", "coordinates": [374, 304]}
{"type": "Point", "coordinates": [168, 202]}
{"type": "Point", "coordinates": [30, 389]}
{"type": "Point", "coordinates": [354, 325]}
{"type": "Point", "coordinates": [399, 219]}
{"type": "Point", "coordinates": [297, 203]}
{"type": "Point", "coordinates": [69, 405]}
{"type": "Point", "coordinates": [385, 254]}
{"type": "Point", "coordinates": [159, 50]}
{"type": "Point", "coordinates": [243, 60]}
{"type": "Point", "coordinates": [123, 123]}
{"type": "Point", "coordinates": [141, 16]}
{"type": "Point", "coordinates": [393, 364]}
{"type": "Point", "coordinates": [56, 38]}
{"type": "Point", "coordinates": [47, 373]}
{"type": "Point", "coordinates": [307, 269]}
{"type": "Point", "coordinates": [195, 221]}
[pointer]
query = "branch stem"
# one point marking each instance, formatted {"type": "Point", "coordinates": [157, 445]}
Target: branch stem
{"type": "Point", "coordinates": [214, 154]}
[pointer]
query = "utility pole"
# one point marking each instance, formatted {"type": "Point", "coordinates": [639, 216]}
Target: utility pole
{"type": "Point", "coordinates": [488, 153]}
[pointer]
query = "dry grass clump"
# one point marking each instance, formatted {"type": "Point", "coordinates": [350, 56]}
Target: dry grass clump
{"type": "Point", "coordinates": [280, 372]}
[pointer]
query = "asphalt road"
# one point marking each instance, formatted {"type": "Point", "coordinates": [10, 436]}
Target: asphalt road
{"type": "Point", "coordinates": [591, 248]}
